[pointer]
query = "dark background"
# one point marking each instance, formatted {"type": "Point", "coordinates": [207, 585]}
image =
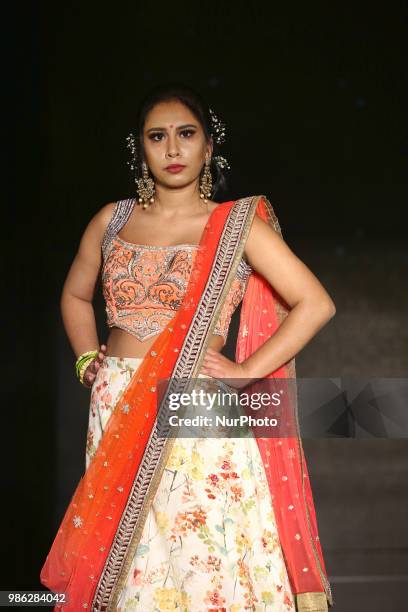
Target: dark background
{"type": "Point", "coordinates": [314, 97]}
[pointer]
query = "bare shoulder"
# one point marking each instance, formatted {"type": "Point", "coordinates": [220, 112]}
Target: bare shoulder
{"type": "Point", "coordinates": [104, 215]}
{"type": "Point", "coordinates": [94, 232]}
{"type": "Point", "coordinates": [100, 221]}
{"type": "Point", "coordinates": [107, 209]}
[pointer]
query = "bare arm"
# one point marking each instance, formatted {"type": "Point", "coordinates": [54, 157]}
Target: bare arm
{"type": "Point", "coordinates": [79, 287]}
{"type": "Point", "coordinates": [311, 305]}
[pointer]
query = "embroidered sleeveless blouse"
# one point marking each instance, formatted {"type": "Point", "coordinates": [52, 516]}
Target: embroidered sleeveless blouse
{"type": "Point", "coordinates": [143, 286]}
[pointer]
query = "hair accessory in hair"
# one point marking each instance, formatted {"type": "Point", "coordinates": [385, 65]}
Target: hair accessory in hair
{"type": "Point", "coordinates": [218, 134]}
{"type": "Point", "coordinates": [218, 128]}
{"type": "Point", "coordinates": [222, 162]}
{"type": "Point", "coordinates": [131, 145]}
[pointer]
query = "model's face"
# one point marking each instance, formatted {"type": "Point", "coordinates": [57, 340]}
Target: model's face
{"type": "Point", "coordinates": [172, 135]}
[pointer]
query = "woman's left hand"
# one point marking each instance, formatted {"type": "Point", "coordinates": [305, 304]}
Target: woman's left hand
{"type": "Point", "coordinates": [218, 366]}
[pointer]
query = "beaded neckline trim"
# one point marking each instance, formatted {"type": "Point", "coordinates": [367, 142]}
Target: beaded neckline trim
{"type": "Point", "coordinates": [150, 246]}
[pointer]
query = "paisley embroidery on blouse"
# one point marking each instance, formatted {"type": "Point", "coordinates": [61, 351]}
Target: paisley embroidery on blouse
{"type": "Point", "coordinates": [144, 285]}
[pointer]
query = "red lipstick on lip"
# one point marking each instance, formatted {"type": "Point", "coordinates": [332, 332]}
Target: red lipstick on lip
{"type": "Point", "coordinates": [175, 168]}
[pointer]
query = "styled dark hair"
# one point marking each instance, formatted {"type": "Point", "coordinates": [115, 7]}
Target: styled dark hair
{"type": "Point", "coordinates": [190, 98]}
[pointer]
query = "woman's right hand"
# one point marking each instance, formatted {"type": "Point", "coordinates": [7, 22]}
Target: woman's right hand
{"type": "Point", "coordinates": [92, 369]}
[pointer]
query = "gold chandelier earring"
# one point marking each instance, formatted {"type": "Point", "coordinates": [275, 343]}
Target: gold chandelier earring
{"type": "Point", "coordinates": [206, 181]}
{"type": "Point", "coordinates": [145, 188]}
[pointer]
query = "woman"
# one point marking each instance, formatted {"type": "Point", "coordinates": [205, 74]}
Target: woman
{"type": "Point", "coordinates": [159, 522]}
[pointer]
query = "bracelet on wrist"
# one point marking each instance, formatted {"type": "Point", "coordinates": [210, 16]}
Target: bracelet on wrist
{"type": "Point", "coordinates": [83, 362]}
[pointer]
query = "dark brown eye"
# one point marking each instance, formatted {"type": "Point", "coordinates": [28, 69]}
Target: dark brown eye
{"type": "Point", "coordinates": [153, 136]}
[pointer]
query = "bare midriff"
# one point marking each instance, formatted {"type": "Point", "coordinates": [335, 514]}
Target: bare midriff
{"type": "Point", "coordinates": [122, 344]}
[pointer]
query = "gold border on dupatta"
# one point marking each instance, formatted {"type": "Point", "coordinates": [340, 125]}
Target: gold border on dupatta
{"type": "Point", "coordinates": [303, 600]}
{"type": "Point", "coordinates": [311, 602]}
{"type": "Point", "coordinates": [228, 256]}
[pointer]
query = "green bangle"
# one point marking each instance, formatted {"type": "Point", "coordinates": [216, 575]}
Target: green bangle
{"type": "Point", "coordinates": [83, 369]}
{"type": "Point", "coordinates": [84, 357]}
{"type": "Point", "coordinates": [82, 363]}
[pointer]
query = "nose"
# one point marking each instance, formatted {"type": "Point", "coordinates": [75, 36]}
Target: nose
{"type": "Point", "coordinates": [172, 148]}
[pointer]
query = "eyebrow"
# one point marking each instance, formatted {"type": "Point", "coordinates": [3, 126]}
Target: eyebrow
{"type": "Point", "coordinates": [155, 129]}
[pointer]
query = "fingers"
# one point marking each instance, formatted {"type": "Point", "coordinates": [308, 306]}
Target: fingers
{"type": "Point", "coordinates": [214, 361]}
{"type": "Point", "coordinates": [219, 366]}
{"type": "Point", "coordinates": [92, 369]}
{"type": "Point", "coordinates": [91, 372]}
{"type": "Point", "coordinates": [101, 354]}
{"type": "Point", "coordinates": [89, 378]}
{"type": "Point", "coordinates": [211, 368]}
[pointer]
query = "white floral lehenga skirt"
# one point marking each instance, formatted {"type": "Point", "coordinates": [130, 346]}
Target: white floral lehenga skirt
{"type": "Point", "coordinates": [210, 541]}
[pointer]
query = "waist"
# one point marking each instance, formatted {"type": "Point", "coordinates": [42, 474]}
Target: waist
{"type": "Point", "coordinates": [122, 343]}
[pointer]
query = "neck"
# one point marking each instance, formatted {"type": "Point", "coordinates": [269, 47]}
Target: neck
{"type": "Point", "coordinates": [172, 203]}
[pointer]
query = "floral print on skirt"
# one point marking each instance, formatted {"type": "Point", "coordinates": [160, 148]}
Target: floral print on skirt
{"type": "Point", "coordinates": [210, 541]}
